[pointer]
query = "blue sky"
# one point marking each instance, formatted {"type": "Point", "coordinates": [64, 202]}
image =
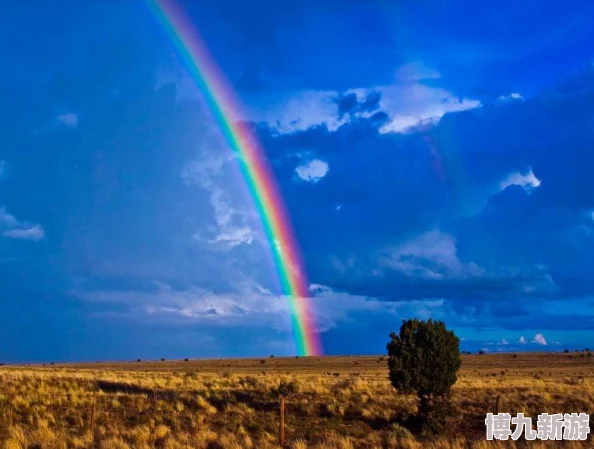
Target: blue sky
{"type": "Point", "coordinates": [435, 160]}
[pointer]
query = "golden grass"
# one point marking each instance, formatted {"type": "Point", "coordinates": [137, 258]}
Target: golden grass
{"type": "Point", "coordinates": [340, 402]}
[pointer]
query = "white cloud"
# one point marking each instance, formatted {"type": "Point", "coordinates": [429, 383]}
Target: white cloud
{"type": "Point", "coordinates": [514, 96]}
{"type": "Point", "coordinates": [13, 228]}
{"type": "Point", "coordinates": [408, 102]}
{"type": "Point", "coordinates": [416, 71]}
{"type": "Point", "coordinates": [34, 233]}
{"type": "Point", "coordinates": [7, 219]}
{"type": "Point", "coordinates": [504, 342]}
{"type": "Point", "coordinates": [69, 119]}
{"type": "Point", "coordinates": [232, 223]}
{"type": "Point", "coordinates": [539, 339]}
{"type": "Point", "coordinates": [522, 340]}
{"type": "Point", "coordinates": [292, 111]}
{"type": "Point", "coordinates": [528, 180]}
{"type": "Point", "coordinates": [413, 105]}
{"type": "Point", "coordinates": [249, 305]}
{"type": "Point", "coordinates": [313, 170]}
{"type": "Point", "coordinates": [431, 255]}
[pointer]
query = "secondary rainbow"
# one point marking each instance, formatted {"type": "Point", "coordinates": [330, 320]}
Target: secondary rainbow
{"type": "Point", "coordinates": [253, 164]}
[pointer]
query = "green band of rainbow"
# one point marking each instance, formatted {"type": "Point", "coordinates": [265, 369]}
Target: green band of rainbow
{"type": "Point", "coordinates": [259, 179]}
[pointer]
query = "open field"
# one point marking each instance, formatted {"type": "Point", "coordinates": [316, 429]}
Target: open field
{"type": "Point", "coordinates": [337, 402]}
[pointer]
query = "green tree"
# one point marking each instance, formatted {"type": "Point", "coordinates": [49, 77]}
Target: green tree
{"type": "Point", "coordinates": [424, 359]}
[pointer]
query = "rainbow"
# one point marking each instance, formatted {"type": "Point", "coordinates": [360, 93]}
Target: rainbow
{"type": "Point", "coordinates": [254, 167]}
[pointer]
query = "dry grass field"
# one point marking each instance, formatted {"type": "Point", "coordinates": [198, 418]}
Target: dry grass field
{"type": "Point", "coordinates": [336, 402]}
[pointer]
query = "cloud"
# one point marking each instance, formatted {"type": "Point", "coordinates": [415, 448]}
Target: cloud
{"type": "Point", "coordinates": [34, 233]}
{"type": "Point", "coordinates": [424, 105]}
{"type": "Point", "coordinates": [312, 171]}
{"type": "Point", "coordinates": [408, 103]}
{"type": "Point", "coordinates": [247, 305]}
{"type": "Point", "coordinates": [514, 96]}
{"type": "Point", "coordinates": [528, 180]}
{"type": "Point", "coordinates": [13, 228]}
{"type": "Point", "coordinates": [431, 255]}
{"type": "Point", "coordinates": [69, 119]}
{"type": "Point", "coordinates": [539, 339]}
{"type": "Point", "coordinates": [7, 219]}
{"type": "Point", "coordinates": [416, 71]}
{"type": "Point", "coordinates": [19, 230]}
{"type": "Point", "coordinates": [351, 104]}
{"type": "Point", "coordinates": [233, 225]}
{"type": "Point", "coordinates": [504, 342]}
{"type": "Point", "coordinates": [293, 111]}
{"type": "Point", "coordinates": [522, 340]}
{"type": "Point", "coordinates": [66, 120]}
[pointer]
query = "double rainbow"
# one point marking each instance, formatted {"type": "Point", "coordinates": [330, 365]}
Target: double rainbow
{"type": "Point", "coordinates": [254, 167]}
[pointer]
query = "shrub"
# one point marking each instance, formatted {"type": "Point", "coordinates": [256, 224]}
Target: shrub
{"type": "Point", "coordinates": [186, 360]}
{"type": "Point", "coordinates": [481, 352]}
{"type": "Point", "coordinates": [566, 351]}
{"type": "Point", "coordinates": [285, 388]}
{"type": "Point", "coordinates": [162, 360]}
{"type": "Point", "coordinates": [401, 433]}
{"type": "Point", "coordinates": [424, 358]}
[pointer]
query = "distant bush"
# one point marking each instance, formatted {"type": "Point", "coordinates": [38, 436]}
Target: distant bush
{"type": "Point", "coordinates": [186, 360]}
{"type": "Point", "coordinates": [589, 354]}
{"type": "Point", "coordinates": [262, 362]}
{"type": "Point", "coordinates": [271, 356]}
{"type": "Point", "coordinates": [162, 360]}
{"type": "Point", "coordinates": [566, 351]}
{"type": "Point", "coordinates": [138, 360]}
{"type": "Point", "coordinates": [481, 352]}
{"type": "Point", "coordinates": [514, 356]}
